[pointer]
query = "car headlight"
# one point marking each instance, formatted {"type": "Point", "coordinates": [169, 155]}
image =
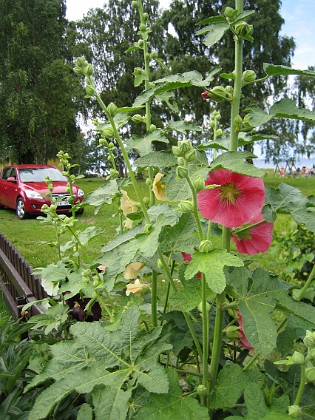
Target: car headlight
{"type": "Point", "coordinates": [33, 194]}
{"type": "Point", "coordinates": [80, 193]}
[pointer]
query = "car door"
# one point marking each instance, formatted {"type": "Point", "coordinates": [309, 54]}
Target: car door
{"type": "Point", "coordinates": [8, 189]}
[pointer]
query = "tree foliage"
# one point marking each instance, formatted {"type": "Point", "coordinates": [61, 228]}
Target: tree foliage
{"type": "Point", "coordinates": [38, 91]}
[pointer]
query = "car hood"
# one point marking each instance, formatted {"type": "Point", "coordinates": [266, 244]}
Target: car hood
{"type": "Point", "coordinates": [41, 187]}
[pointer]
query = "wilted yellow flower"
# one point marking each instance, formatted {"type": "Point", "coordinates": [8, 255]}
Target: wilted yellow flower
{"type": "Point", "coordinates": [127, 204]}
{"type": "Point", "coordinates": [128, 224]}
{"type": "Point", "coordinates": [132, 270]}
{"type": "Point", "coordinates": [137, 287]}
{"type": "Point", "coordinates": [159, 187]}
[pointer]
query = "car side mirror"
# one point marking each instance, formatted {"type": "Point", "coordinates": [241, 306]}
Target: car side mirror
{"type": "Point", "coordinates": [11, 179]}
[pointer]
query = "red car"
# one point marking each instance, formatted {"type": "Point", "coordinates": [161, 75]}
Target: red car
{"type": "Point", "coordinates": [23, 188]}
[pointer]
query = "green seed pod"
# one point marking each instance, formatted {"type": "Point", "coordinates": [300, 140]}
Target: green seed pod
{"type": "Point", "coordinates": [201, 390]}
{"type": "Point", "coordinates": [205, 246]}
{"type": "Point", "coordinates": [199, 183]}
{"type": "Point", "coordinates": [181, 172]}
{"type": "Point", "coordinates": [298, 358]}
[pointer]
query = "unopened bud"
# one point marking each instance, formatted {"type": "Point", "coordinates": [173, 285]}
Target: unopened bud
{"type": "Point", "coordinates": [208, 307]}
{"type": "Point", "coordinates": [176, 151]}
{"type": "Point", "coordinates": [146, 200]}
{"type": "Point", "coordinates": [113, 173]}
{"type": "Point", "coordinates": [238, 123]}
{"type": "Point", "coordinates": [232, 332]}
{"type": "Point", "coordinates": [185, 146]}
{"type": "Point", "coordinates": [298, 358]}
{"type": "Point", "coordinates": [141, 43]}
{"type": "Point", "coordinates": [295, 411]}
{"type": "Point", "coordinates": [112, 109]}
{"type": "Point", "coordinates": [102, 142]}
{"type": "Point", "coordinates": [90, 91]}
{"type": "Point", "coordinates": [143, 27]}
{"type": "Point", "coordinates": [190, 156]}
{"type": "Point", "coordinates": [181, 172]}
{"type": "Point", "coordinates": [218, 94]}
{"type": "Point", "coordinates": [309, 339]}
{"type": "Point", "coordinates": [180, 161]}
{"type": "Point", "coordinates": [205, 95]}
{"type": "Point", "coordinates": [243, 29]}
{"type": "Point", "coordinates": [249, 76]}
{"type": "Point", "coordinates": [107, 133]}
{"type": "Point", "coordinates": [152, 128]}
{"type": "Point", "coordinates": [186, 206]}
{"type": "Point", "coordinates": [205, 246]}
{"type": "Point", "coordinates": [310, 374]}
{"type": "Point", "coordinates": [135, 4]}
{"type": "Point", "coordinates": [201, 390]}
{"type": "Point", "coordinates": [199, 183]}
{"type": "Point", "coordinates": [88, 70]}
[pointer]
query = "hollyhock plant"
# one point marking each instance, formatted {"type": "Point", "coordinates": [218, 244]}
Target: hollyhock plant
{"type": "Point", "coordinates": [243, 340]}
{"type": "Point", "coordinates": [255, 239]}
{"type": "Point", "coordinates": [158, 187]}
{"type": "Point", "coordinates": [238, 199]}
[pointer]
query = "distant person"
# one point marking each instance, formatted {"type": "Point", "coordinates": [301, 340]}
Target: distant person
{"type": "Point", "coordinates": [282, 172]}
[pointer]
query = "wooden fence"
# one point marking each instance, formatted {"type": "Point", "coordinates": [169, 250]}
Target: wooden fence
{"type": "Point", "coordinates": [18, 284]}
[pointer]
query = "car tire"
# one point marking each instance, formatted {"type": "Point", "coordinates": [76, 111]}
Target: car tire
{"type": "Point", "coordinates": [20, 209]}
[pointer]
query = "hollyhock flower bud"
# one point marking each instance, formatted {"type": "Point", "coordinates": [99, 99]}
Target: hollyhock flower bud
{"type": "Point", "coordinates": [90, 91]}
{"type": "Point", "coordinates": [135, 4]}
{"type": "Point", "coordinates": [295, 411]}
{"type": "Point", "coordinates": [185, 146]}
{"type": "Point", "coordinates": [243, 340]}
{"type": "Point", "coordinates": [309, 339]}
{"type": "Point", "coordinates": [186, 206]}
{"type": "Point", "coordinates": [112, 109]}
{"type": "Point", "coordinates": [190, 156]}
{"type": "Point", "coordinates": [205, 246]}
{"type": "Point", "coordinates": [152, 128]}
{"type": "Point", "coordinates": [199, 184]}
{"type": "Point", "coordinates": [102, 142]}
{"type": "Point", "coordinates": [310, 374]}
{"type": "Point", "coordinates": [208, 307]}
{"type": "Point", "coordinates": [143, 27]}
{"type": "Point", "coordinates": [235, 202]}
{"type": "Point", "coordinates": [298, 358]}
{"type": "Point", "coordinates": [176, 151]}
{"type": "Point", "coordinates": [232, 332]}
{"type": "Point", "coordinates": [249, 76]}
{"type": "Point", "coordinates": [205, 95]}
{"type": "Point", "coordinates": [218, 94]}
{"type": "Point", "coordinates": [243, 29]}
{"type": "Point", "coordinates": [181, 172]}
{"type": "Point", "coordinates": [141, 43]}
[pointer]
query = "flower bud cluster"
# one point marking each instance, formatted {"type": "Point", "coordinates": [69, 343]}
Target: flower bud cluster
{"type": "Point", "coordinates": [243, 30]}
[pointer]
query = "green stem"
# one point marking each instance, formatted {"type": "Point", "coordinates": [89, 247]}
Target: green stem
{"type": "Point", "coordinates": [307, 283]}
{"type": "Point", "coordinates": [205, 335]}
{"type": "Point", "coordinates": [238, 71]}
{"type": "Point", "coordinates": [166, 270]}
{"type": "Point", "coordinates": [217, 341]}
{"type": "Point", "coordinates": [193, 333]}
{"type": "Point", "coordinates": [195, 207]}
{"type": "Point", "coordinates": [301, 387]}
{"type": "Point", "coordinates": [126, 158]}
{"type": "Point", "coordinates": [154, 298]}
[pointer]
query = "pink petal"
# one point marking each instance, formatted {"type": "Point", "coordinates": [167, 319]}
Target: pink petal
{"type": "Point", "coordinates": [248, 203]}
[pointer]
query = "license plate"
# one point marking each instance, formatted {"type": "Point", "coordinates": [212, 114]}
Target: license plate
{"type": "Point", "coordinates": [63, 203]}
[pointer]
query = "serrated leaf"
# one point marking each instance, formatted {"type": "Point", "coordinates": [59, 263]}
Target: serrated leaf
{"type": "Point", "coordinates": [231, 383]}
{"type": "Point", "coordinates": [189, 297]}
{"type": "Point", "coordinates": [144, 144]}
{"type": "Point", "coordinates": [221, 144]}
{"type": "Point", "coordinates": [287, 199]}
{"type": "Point", "coordinates": [286, 108]}
{"type": "Point", "coordinates": [278, 70]}
{"type": "Point", "coordinates": [212, 265]}
{"type": "Point", "coordinates": [52, 276]}
{"type": "Point", "coordinates": [110, 403]}
{"type": "Point", "coordinates": [235, 162]}
{"type": "Point", "coordinates": [257, 116]}
{"type": "Point", "coordinates": [256, 306]}
{"type": "Point", "coordinates": [214, 32]}
{"type": "Point", "coordinates": [156, 160]}
{"type": "Point", "coordinates": [172, 406]}
{"type": "Point", "coordinates": [211, 20]}
{"type": "Point", "coordinates": [180, 237]}
{"type": "Point", "coordinates": [178, 189]}
{"type": "Point", "coordinates": [103, 195]}
{"type": "Point", "coordinates": [182, 126]}
{"type": "Point", "coordinates": [93, 350]}
{"type": "Point", "coordinates": [126, 109]}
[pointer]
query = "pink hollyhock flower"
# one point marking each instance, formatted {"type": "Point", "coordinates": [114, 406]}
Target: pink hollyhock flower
{"type": "Point", "coordinates": [254, 239]}
{"type": "Point", "coordinates": [187, 258]}
{"type": "Point", "coordinates": [238, 199]}
{"type": "Point", "coordinates": [243, 340]}
{"type": "Point", "coordinates": [205, 95]}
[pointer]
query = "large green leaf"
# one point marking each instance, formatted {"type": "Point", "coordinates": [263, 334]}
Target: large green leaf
{"type": "Point", "coordinates": [287, 199]}
{"type": "Point", "coordinates": [182, 126]}
{"type": "Point", "coordinates": [189, 296]}
{"type": "Point", "coordinates": [214, 32]}
{"type": "Point", "coordinates": [212, 265]}
{"type": "Point", "coordinates": [103, 195]}
{"type": "Point", "coordinates": [110, 403]}
{"type": "Point", "coordinates": [144, 144]}
{"type": "Point", "coordinates": [180, 237]}
{"type": "Point", "coordinates": [277, 70]}
{"type": "Point", "coordinates": [156, 160]}
{"type": "Point", "coordinates": [236, 162]}
{"type": "Point", "coordinates": [172, 406]}
{"type": "Point", "coordinates": [258, 296]}
{"type": "Point", "coordinates": [99, 356]}
{"type": "Point", "coordinates": [177, 189]}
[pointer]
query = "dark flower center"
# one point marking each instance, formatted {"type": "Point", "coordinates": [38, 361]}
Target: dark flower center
{"type": "Point", "coordinates": [229, 193]}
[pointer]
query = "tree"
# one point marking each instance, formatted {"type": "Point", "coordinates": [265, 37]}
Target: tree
{"type": "Point", "coordinates": [39, 93]}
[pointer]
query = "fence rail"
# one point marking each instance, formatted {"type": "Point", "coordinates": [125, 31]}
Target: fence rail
{"type": "Point", "coordinates": [18, 284]}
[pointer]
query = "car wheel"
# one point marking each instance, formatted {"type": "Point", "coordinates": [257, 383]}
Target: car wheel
{"type": "Point", "coordinates": [20, 209]}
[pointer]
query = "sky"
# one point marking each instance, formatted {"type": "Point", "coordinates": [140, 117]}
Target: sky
{"type": "Point", "coordinates": [299, 23]}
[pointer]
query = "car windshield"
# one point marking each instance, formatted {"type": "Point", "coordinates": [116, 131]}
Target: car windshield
{"type": "Point", "coordinates": [39, 175]}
